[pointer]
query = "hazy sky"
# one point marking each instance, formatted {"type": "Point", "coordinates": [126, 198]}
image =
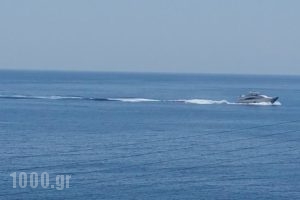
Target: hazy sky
{"type": "Point", "coordinates": [203, 36]}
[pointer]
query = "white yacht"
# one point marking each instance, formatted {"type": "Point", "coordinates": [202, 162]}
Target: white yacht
{"type": "Point", "coordinates": [255, 97]}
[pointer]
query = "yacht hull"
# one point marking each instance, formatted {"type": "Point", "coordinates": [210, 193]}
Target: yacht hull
{"type": "Point", "coordinates": [260, 100]}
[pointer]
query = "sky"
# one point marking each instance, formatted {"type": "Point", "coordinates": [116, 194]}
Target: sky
{"type": "Point", "coordinates": [181, 36]}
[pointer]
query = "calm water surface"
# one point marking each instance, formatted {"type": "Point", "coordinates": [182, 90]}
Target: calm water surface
{"type": "Point", "coordinates": [149, 136]}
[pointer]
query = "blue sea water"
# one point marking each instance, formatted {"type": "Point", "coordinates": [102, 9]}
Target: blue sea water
{"type": "Point", "coordinates": [149, 136]}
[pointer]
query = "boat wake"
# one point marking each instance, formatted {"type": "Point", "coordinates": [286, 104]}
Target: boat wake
{"type": "Point", "coordinates": [209, 102]}
{"type": "Point", "coordinates": [204, 101]}
{"type": "Point", "coordinates": [37, 97]}
{"type": "Point", "coordinates": [133, 100]}
{"type": "Point", "coordinates": [137, 100]}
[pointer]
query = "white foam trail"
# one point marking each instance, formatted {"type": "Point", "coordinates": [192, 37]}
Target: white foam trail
{"type": "Point", "coordinates": [204, 101]}
{"type": "Point", "coordinates": [133, 100]}
{"type": "Point", "coordinates": [39, 97]}
{"type": "Point", "coordinates": [211, 102]}
{"type": "Point", "coordinates": [56, 97]}
{"type": "Point", "coordinates": [277, 103]}
{"type": "Point", "coordinates": [14, 96]}
{"type": "Point", "coordinates": [136, 100]}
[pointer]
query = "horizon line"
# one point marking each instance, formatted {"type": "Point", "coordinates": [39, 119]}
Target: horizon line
{"type": "Point", "coordinates": [146, 72]}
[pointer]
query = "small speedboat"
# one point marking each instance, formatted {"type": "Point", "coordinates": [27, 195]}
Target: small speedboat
{"type": "Point", "coordinates": [256, 97]}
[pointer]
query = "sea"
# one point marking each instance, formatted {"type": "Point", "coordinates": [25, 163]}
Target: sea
{"type": "Point", "coordinates": [147, 136]}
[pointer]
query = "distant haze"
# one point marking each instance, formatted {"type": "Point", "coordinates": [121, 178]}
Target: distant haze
{"type": "Point", "coordinates": [203, 36]}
